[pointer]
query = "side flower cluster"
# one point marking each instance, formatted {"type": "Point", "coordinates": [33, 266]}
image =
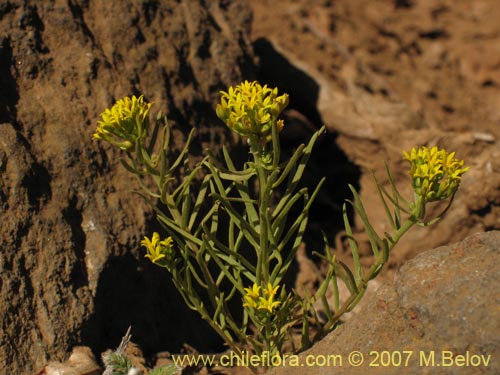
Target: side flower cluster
{"type": "Point", "coordinates": [125, 122]}
{"type": "Point", "coordinates": [261, 298]}
{"type": "Point", "coordinates": [435, 173]}
{"type": "Point", "coordinates": [250, 110]}
{"type": "Point", "coordinates": [159, 252]}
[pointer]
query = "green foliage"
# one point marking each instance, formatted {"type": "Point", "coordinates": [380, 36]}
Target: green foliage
{"type": "Point", "coordinates": [120, 363]}
{"type": "Point", "coordinates": [117, 362]}
{"type": "Point", "coordinates": [212, 221]}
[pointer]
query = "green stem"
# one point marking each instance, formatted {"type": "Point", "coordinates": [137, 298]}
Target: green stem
{"type": "Point", "coordinates": [401, 231]}
{"type": "Point", "coordinates": [262, 276]}
{"type": "Point", "coordinates": [353, 299]}
{"type": "Point", "coordinates": [418, 210]}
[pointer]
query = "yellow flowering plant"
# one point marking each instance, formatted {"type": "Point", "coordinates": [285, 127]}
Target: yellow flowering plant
{"type": "Point", "coordinates": [246, 258]}
{"type": "Point", "coordinates": [208, 263]}
{"type": "Point", "coordinates": [436, 176]}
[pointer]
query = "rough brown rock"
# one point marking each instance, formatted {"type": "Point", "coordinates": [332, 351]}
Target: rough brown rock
{"type": "Point", "coordinates": [443, 300]}
{"type": "Point", "coordinates": [389, 75]}
{"type": "Point", "coordinates": [70, 225]}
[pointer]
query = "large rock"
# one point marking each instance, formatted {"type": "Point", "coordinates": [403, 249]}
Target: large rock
{"type": "Point", "coordinates": [72, 271]}
{"type": "Point", "coordinates": [443, 303]}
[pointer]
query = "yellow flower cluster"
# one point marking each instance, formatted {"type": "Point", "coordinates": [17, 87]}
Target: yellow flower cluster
{"type": "Point", "coordinates": [127, 120]}
{"type": "Point", "coordinates": [261, 299]}
{"type": "Point", "coordinates": [250, 110]}
{"type": "Point", "coordinates": [436, 174]}
{"type": "Point", "coordinates": [159, 252]}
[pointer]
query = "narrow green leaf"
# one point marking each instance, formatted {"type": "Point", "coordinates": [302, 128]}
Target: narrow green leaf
{"type": "Point", "coordinates": [347, 277]}
{"type": "Point", "coordinates": [234, 289]}
{"type": "Point", "coordinates": [145, 159]}
{"type": "Point", "coordinates": [192, 271]}
{"type": "Point", "coordinates": [186, 183]}
{"type": "Point", "coordinates": [326, 306]}
{"type": "Point", "coordinates": [295, 179]}
{"type": "Point", "coordinates": [227, 159]}
{"type": "Point", "coordinates": [228, 174]}
{"type": "Point", "coordinates": [171, 224]}
{"type": "Point", "coordinates": [224, 269]}
{"type": "Point", "coordinates": [250, 234]}
{"type": "Point", "coordinates": [279, 222]}
{"type": "Point", "coordinates": [199, 201]}
{"type": "Point", "coordinates": [384, 203]}
{"type": "Point", "coordinates": [230, 234]}
{"type": "Point", "coordinates": [186, 208]}
{"type": "Point", "coordinates": [373, 237]}
{"type": "Point", "coordinates": [232, 258]}
{"type": "Point", "coordinates": [237, 177]}
{"type": "Point", "coordinates": [146, 189]}
{"type": "Point", "coordinates": [250, 204]}
{"type": "Point", "coordinates": [130, 168]}
{"type": "Point", "coordinates": [303, 215]}
{"type": "Point", "coordinates": [394, 188]}
{"type": "Point", "coordinates": [331, 275]}
{"type": "Point", "coordinates": [296, 229]}
{"type": "Point", "coordinates": [180, 159]}
{"type": "Point", "coordinates": [291, 163]}
{"type": "Point", "coordinates": [276, 144]}
{"type": "Point", "coordinates": [353, 246]}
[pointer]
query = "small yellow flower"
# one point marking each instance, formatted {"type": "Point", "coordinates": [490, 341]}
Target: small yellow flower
{"type": "Point", "coordinates": [252, 296]}
{"type": "Point", "coordinates": [268, 304]}
{"type": "Point", "coordinates": [124, 123]}
{"type": "Point", "coordinates": [261, 299]}
{"type": "Point", "coordinates": [436, 174]}
{"type": "Point", "coordinates": [250, 110]}
{"type": "Point", "coordinates": [254, 292]}
{"type": "Point", "coordinates": [270, 291]}
{"type": "Point", "coordinates": [249, 301]}
{"type": "Point", "coordinates": [159, 252]}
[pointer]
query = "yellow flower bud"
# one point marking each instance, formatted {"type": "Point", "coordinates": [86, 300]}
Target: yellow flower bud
{"type": "Point", "coordinates": [250, 110]}
{"type": "Point", "coordinates": [125, 122]}
{"type": "Point", "coordinates": [436, 174]}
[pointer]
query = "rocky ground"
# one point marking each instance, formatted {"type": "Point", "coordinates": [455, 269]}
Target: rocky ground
{"type": "Point", "coordinates": [387, 75]}
{"type": "Point", "coordinates": [382, 76]}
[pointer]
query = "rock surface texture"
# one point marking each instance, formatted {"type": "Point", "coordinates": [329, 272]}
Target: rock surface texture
{"type": "Point", "coordinates": [70, 225]}
{"type": "Point", "coordinates": [444, 301]}
{"type": "Point", "coordinates": [383, 76]}
{"type": "Point", "coordinates": [386, 76]}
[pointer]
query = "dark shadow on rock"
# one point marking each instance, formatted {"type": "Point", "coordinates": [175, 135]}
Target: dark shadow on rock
{"type": "Point", "coordinates": [73, 216]}
{"type": "Point", "coordinates": [38, 185]}
{"type": "Point", "coordinates": [140, 294]}
{"type": "Point", "coordinates": [9, 95]}
{"type": "Point", "coordinates": [327, 159]}
{"type": "Point", "coordinates": [277, 71]}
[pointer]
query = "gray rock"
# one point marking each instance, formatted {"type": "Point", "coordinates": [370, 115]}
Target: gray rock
{"type": "Point", "coordinates": [444, 305]}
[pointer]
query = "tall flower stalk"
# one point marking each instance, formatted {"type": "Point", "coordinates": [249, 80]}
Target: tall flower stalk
{"type": "Point", "coordinates": [436, 176]}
